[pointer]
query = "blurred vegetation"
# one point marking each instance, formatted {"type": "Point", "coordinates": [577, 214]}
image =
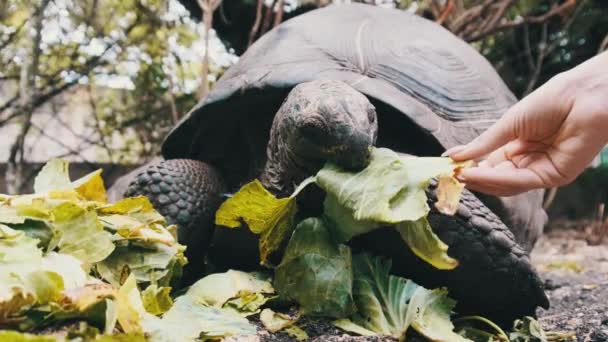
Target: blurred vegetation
{"type": "Point", "coordinates": [141, 61]}
{"type": "Point", "coordinates": [138, 61]}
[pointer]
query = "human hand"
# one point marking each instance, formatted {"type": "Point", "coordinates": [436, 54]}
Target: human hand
{"type": "Point", "coordinates": [545, 140]}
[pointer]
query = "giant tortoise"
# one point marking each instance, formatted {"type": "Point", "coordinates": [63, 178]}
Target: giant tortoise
{"type": "Point", "coordinates": [326, 86]}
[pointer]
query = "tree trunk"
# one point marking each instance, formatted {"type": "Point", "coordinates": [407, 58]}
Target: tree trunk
{"type": "Point", "coordinates": [27, 96]}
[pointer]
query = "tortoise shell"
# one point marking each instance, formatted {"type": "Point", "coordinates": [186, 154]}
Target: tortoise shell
{"type": "Point", "coordinates": [431, 90]}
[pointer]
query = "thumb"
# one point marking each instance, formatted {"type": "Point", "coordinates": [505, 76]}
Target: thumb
{"type": "Point", "coordinates": [503, 131]}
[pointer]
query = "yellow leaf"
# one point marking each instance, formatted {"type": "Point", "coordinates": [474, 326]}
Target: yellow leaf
{"type": "Point", "coordinates": [419, 236]}
{"type": "Point", "coordinates": [276, 321]}
{"type": "Point", "coordinates": [127, 206]}
{"type": "Point", "coordinates": [86, 296]}
{"type": "Point", "coordinates": [449, 190]}
{"type": "Point", "coordinates": [131, 309]}
{"type": "Point", "coordinates": [263, 213]}
{"type": "Point", "coordinates": [91, 187]}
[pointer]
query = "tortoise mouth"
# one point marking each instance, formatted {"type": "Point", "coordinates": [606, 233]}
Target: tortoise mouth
{"type": "Point", "coordinates": [355, 157]}
{"type": "Point", "coordinates": [352, 152]}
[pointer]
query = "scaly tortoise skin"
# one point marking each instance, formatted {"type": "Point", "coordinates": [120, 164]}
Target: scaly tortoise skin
{"type": "Point", "coordinates": [300, 97]}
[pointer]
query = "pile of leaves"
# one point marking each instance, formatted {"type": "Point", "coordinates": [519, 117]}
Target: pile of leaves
{"type": "Point", "coordinates": [75, 267]}
{"type": "Point", "coordinates": [317, 270]}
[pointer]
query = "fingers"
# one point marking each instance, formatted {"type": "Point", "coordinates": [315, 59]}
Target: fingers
{"type": "Point", "coordinates": [493, 138]}
{"type": "Point", "coordinates": [503, 179]}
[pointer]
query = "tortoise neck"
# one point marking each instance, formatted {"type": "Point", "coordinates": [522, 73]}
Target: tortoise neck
{"type": "Point", "coordinates": [283, 170]}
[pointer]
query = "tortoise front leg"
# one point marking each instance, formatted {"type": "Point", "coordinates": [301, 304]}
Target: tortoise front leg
{"type": "Point", "coordinates": [187, 193]}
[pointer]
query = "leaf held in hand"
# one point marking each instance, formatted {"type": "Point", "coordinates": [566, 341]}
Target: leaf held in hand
{"type": "Point", "coordinates": [449, 191]}
{"type": "Point", "coordinates": [391, 189]}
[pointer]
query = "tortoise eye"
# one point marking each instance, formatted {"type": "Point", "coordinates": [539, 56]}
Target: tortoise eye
{"type": "Point", "coordinates": [371, 114]}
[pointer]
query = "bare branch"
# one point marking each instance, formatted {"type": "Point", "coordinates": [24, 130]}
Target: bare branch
{"type": "Point", "coordinates": [256, 25]}
{"type": "Point", "coordinates": [102, 136]}
{"type": "Point", "coordinates": [491, 29]}
{"type": "Point", "coordinates": [540, 57]}
{"type": "Point", "coordinates": [267, 17]}
{"type": "Point", "coordinates": [278, 18]}
{"type": "Point", "coordinates": [603, 45]}
{"type": "Point", "coordinates": [447, 10]}
{"type": "Point", "coordinates": [207, 7]}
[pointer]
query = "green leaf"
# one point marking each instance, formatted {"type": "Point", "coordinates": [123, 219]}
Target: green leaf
{"type": "Point", "coordinates": [389, 305]}
{"type": "Point", "coordinates": [53, 176]}
{"type": "Point", "coordinates": [81, 234]}
{"type": "Point", "coordinates": [157, 300]}
{"type": "Point", "coordinates": [188, 320]}
{"type": "Point", "coordinates": [391, 189]}
{"type": "Point", "coordinates": [316, 272]}
{"type": "Point", "coordinates": [129, 228]}
{"type": "Point", "coordinates": [93, 302]}
{"type": "Point", "coordinates": [218, 288]}
{"type": "Point", "coordinates": [131, 309]}
{"type": "Point", "coordinates": [137, 208]}
{"type": "Point", "coordinates": [28, 278]}
{"type": "Point", "coordinates": [38, 230]}
{"type": "Point", "coordinates": [391, 192]}
{"type": "Point", "coordinates": [149, 263]}
{"type": "Point", "coordinates": [262, 212]}
{"type": "Point", "coordinates": [432, 310]}
{"type": "Point", "coordinates": [121, 338]}
{"type": "Point", "coordinates": [527, 329]}
{"type": "Point", "coordinates": [15, 336]}
{"type": "Point", "coordinates": [296, 332]}
{"type": "Point", "coordinates": [343, 224]}
{"type": "Point", "coordinates": [419, 236]}
{"type": "Point", "coordinates": [348, 325]}
{"type": "Point", "coordinates": [275, 321]}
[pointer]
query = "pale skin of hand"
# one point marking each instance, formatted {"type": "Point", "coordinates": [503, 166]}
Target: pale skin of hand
{"type": "Point", "coordinates": [545, 140]}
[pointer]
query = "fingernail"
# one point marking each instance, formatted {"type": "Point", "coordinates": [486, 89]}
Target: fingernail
{"type": "Point", "coordinates": [453, 150]}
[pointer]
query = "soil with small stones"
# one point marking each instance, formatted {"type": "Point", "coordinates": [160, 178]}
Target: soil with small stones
{"type": "Point", "coordinates": [576, 280]}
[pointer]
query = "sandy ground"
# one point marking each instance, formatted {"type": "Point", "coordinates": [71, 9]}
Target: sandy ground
{"type": "Point", "coordinates": [576, 277]}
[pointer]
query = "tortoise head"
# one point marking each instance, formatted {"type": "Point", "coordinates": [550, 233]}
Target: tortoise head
{"type": "Point", "coordinates": [328, 121]}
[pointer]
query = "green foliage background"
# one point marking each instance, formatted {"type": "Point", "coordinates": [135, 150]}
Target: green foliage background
{"type": "Point", "coordinates": [154, 46]}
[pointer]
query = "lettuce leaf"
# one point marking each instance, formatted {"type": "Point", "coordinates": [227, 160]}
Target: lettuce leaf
{"type": "Point", "coordinates": [316, 272]}
{"type": "Point", "coordinates": [419, 236]}
{"type": "Point", "coordinates": [157, 300]}
{"type": "Point", "coordinates": [199, 313]}
{"type": "Point", "coordinates": [55, 177]}
{"type": "Point", "coordinates": [81, 234]}
{"type": "Point", "coordinates": [389, 305]}
{"type": "Point", "coordinates": [270, 217]}
{"type": "Point", "coordinates": [239, 291]}
{"type": "Point", "coordinates": [391, 189]}
{"type": "Point", "coordinates": [149, 263]}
